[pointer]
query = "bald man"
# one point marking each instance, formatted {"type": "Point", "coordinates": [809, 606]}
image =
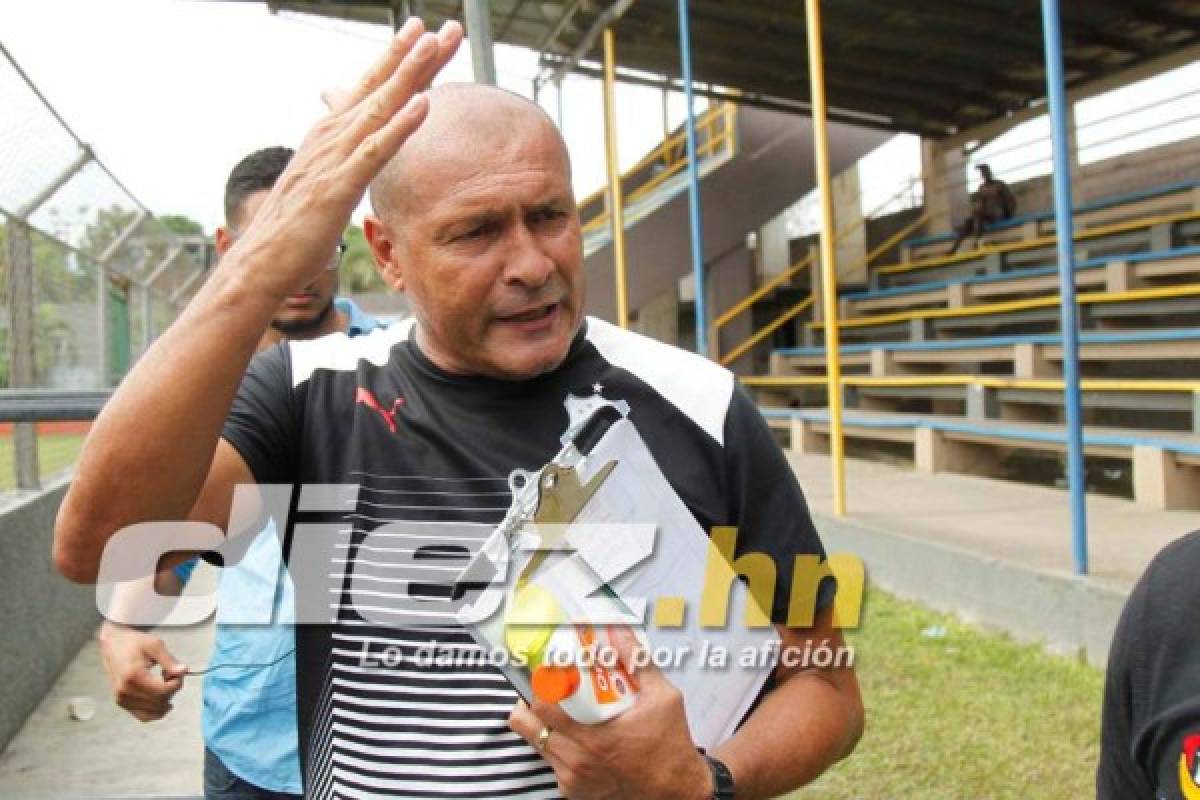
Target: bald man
{"type": "Point", "coordinates": [475, 221]}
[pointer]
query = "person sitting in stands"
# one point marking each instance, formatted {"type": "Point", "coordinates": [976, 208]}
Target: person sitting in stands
{"type": "Point", "coordinates": [992, 202]}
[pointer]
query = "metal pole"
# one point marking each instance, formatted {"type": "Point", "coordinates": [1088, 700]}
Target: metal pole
{"type": "Point", "coordinates": [478, 15]}
{"type": "Point", "coordinates": [603, 22]}
{"type": "Point", "coordinates": [558, 95]}
{"type": "Point", "coordinates": [122, 239]}
{"type": "Point", "coordinates": [20, 345]}
{"type": "Point", "coordinates": [616, 205]}
{"type": "Point", "coordinates": [666, 114]}
{"type": "Point", "coordinates": [147, 318]}
{"type": "Point", "coordinates": [186, 285]}
{"type": "Point", "coordinates": [1064, 222]}
{"type": "Point", "coordinates": [685, 56]}
{"type": "Point", "coordinates": [829, 305]}
{"type": "Point", "coordinates": [82, 159]}
{"type": "Point", "coordinates": [103, 301]}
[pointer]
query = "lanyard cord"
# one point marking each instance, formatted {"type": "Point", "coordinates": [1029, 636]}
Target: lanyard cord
{"type": "Point", "coordinates": [235, 665]}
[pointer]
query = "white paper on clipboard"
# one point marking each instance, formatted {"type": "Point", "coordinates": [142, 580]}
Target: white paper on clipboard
{"type": "Point", "coordinates": [715, 698]}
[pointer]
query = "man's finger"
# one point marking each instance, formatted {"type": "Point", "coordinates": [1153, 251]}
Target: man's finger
{"type": "Point", "coordinates": [379, 147]}
{"type": "Point", "coordinates": [151, 715]}
{"type": "Point", "coordinates": [428, 56]}
{"type": "Point", "coordinates": [146, 684]}
{"type": "Point", "coordinates": [335, 99]}
{"type": "Point", "coordinates": [553, 715]}
{"type": "Point", "coordinates": [529, 726]}
{"type": "Point", "coordinates": [560, 748]}
{"type": "Point", "coordinates": [525, 723]}
{"type": "Point", "coordinates": [138, 704]}
{"type": "Point", "coordinates": [381, 70]}
{"type": "Point", "coordinates": [633, 656]}
{"type": "Point", "coordinates": [171, 667]}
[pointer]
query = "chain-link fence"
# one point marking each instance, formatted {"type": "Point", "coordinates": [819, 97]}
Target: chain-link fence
{"type": "Point", "coordinates": [89, 275]}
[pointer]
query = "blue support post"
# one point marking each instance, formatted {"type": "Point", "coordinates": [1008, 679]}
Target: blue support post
{"type": "Point", "coordinates": [685, 55]}
{"type": "Point", "coordinates": [1056, 97]}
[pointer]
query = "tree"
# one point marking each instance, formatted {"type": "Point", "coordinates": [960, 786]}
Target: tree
{"type": "Point", "coordinates": [181, 225]}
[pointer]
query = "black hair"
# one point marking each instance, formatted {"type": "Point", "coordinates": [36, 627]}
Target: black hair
{"type": "Point", "coordinates": [254, 173]}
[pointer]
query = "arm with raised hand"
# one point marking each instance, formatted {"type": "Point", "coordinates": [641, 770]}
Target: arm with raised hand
{"type": "Point", "coordinates": [155, 452]}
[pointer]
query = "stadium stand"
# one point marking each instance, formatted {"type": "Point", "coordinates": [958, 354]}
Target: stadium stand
{"type": "Point", "coordinates": [959, 358]}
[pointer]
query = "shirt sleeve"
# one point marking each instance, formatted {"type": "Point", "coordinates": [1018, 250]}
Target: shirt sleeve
{"type": "Point", "coordinates": [1118, 776]}
{"type": "Point", "coordinates": [1150, 728]}
{"type": "Point", "coordinates": [262, 425]}
{"type": "Point", "coordinates": [767, 503]}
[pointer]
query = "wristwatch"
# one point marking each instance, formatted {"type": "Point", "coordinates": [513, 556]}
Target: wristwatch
{"type": "Point", "coordinates": [722, 778]}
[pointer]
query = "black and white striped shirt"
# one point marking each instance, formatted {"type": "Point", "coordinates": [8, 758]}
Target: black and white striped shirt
{"type": "Point", "coordinates": [429, 455]}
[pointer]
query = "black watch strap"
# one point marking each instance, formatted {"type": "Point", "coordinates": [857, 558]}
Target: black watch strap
{"type": "Point", "coordinates": [722, 779]}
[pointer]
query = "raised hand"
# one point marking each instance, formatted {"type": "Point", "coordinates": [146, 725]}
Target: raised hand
{"type": "Point", "coordinates": [301, 220]}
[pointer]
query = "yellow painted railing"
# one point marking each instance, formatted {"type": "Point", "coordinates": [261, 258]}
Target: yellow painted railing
{"type": "Point", "coordinates": [739, 350]}
{"type": "Point", "coordinates": [989, 309]}
{"type": "Point", "coordinates": [768, 329]}
{"type": "Point", "coordinates": [716, 132]}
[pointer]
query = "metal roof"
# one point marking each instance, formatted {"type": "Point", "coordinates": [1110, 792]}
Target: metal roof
{"type": "Point", "coordinates": [934, 67]}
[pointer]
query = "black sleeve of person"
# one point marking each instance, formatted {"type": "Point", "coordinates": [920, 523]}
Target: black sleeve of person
{"type": "Point", "coordinates": [1150, 731]}
{"type": "Point", "coordinates": [766, 503]}
{"type": "Point", "coordinates": [262, 425]}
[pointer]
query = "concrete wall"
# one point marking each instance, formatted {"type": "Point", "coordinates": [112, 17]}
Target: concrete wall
{"type": "Point", "coordinates": [881, 229]}
{"type": "Point", "coordinates": [731, 276]}
{"type": "Point", "coordinates": [46, 618]}
{"type": "Point", "coordinates": [1067, 614]}
{"type": "Point", "coordinates": [658, 318]}
{"type": "Point", "coordinates": [851, 250]}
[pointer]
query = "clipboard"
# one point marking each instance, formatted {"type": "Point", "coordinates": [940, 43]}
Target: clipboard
{"type": "Point", "coordinates": [604, 476]}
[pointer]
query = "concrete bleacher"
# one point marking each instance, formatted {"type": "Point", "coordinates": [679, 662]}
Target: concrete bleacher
{"type": "Point", "coordinates": [1112, 273]}
{"type": "Point", "coordinates": [959, 357]}
{"type": "Point", "coordinates": [1165, 466]}
{"type": "Point", "coordinates": [1026, 355]}
{"type": "Point", "coordinates": [1127, 224]}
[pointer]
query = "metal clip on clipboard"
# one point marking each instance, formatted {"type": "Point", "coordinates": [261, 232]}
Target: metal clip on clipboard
{"type": "Point", "coordinates": [545, 503]}
{"type": "Point", "coordinates": [551, 498]}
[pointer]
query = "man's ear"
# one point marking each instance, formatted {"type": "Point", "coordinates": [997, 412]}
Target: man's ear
{"type": "Point", "coordinates": [385, 251]}
{"type": "Point", "coordinates": [222, 240]}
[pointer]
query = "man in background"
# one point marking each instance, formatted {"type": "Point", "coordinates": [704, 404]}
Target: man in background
{"type": "Point", "coordinates": [992, 202]}
{"type": "Point", "coordinates": [249, 717]}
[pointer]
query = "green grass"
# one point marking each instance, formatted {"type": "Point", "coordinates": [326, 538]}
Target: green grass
{"type": "Point", "coordinates": [56, 452]}
{"type": "Point", "coordinates": [970, 715]}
